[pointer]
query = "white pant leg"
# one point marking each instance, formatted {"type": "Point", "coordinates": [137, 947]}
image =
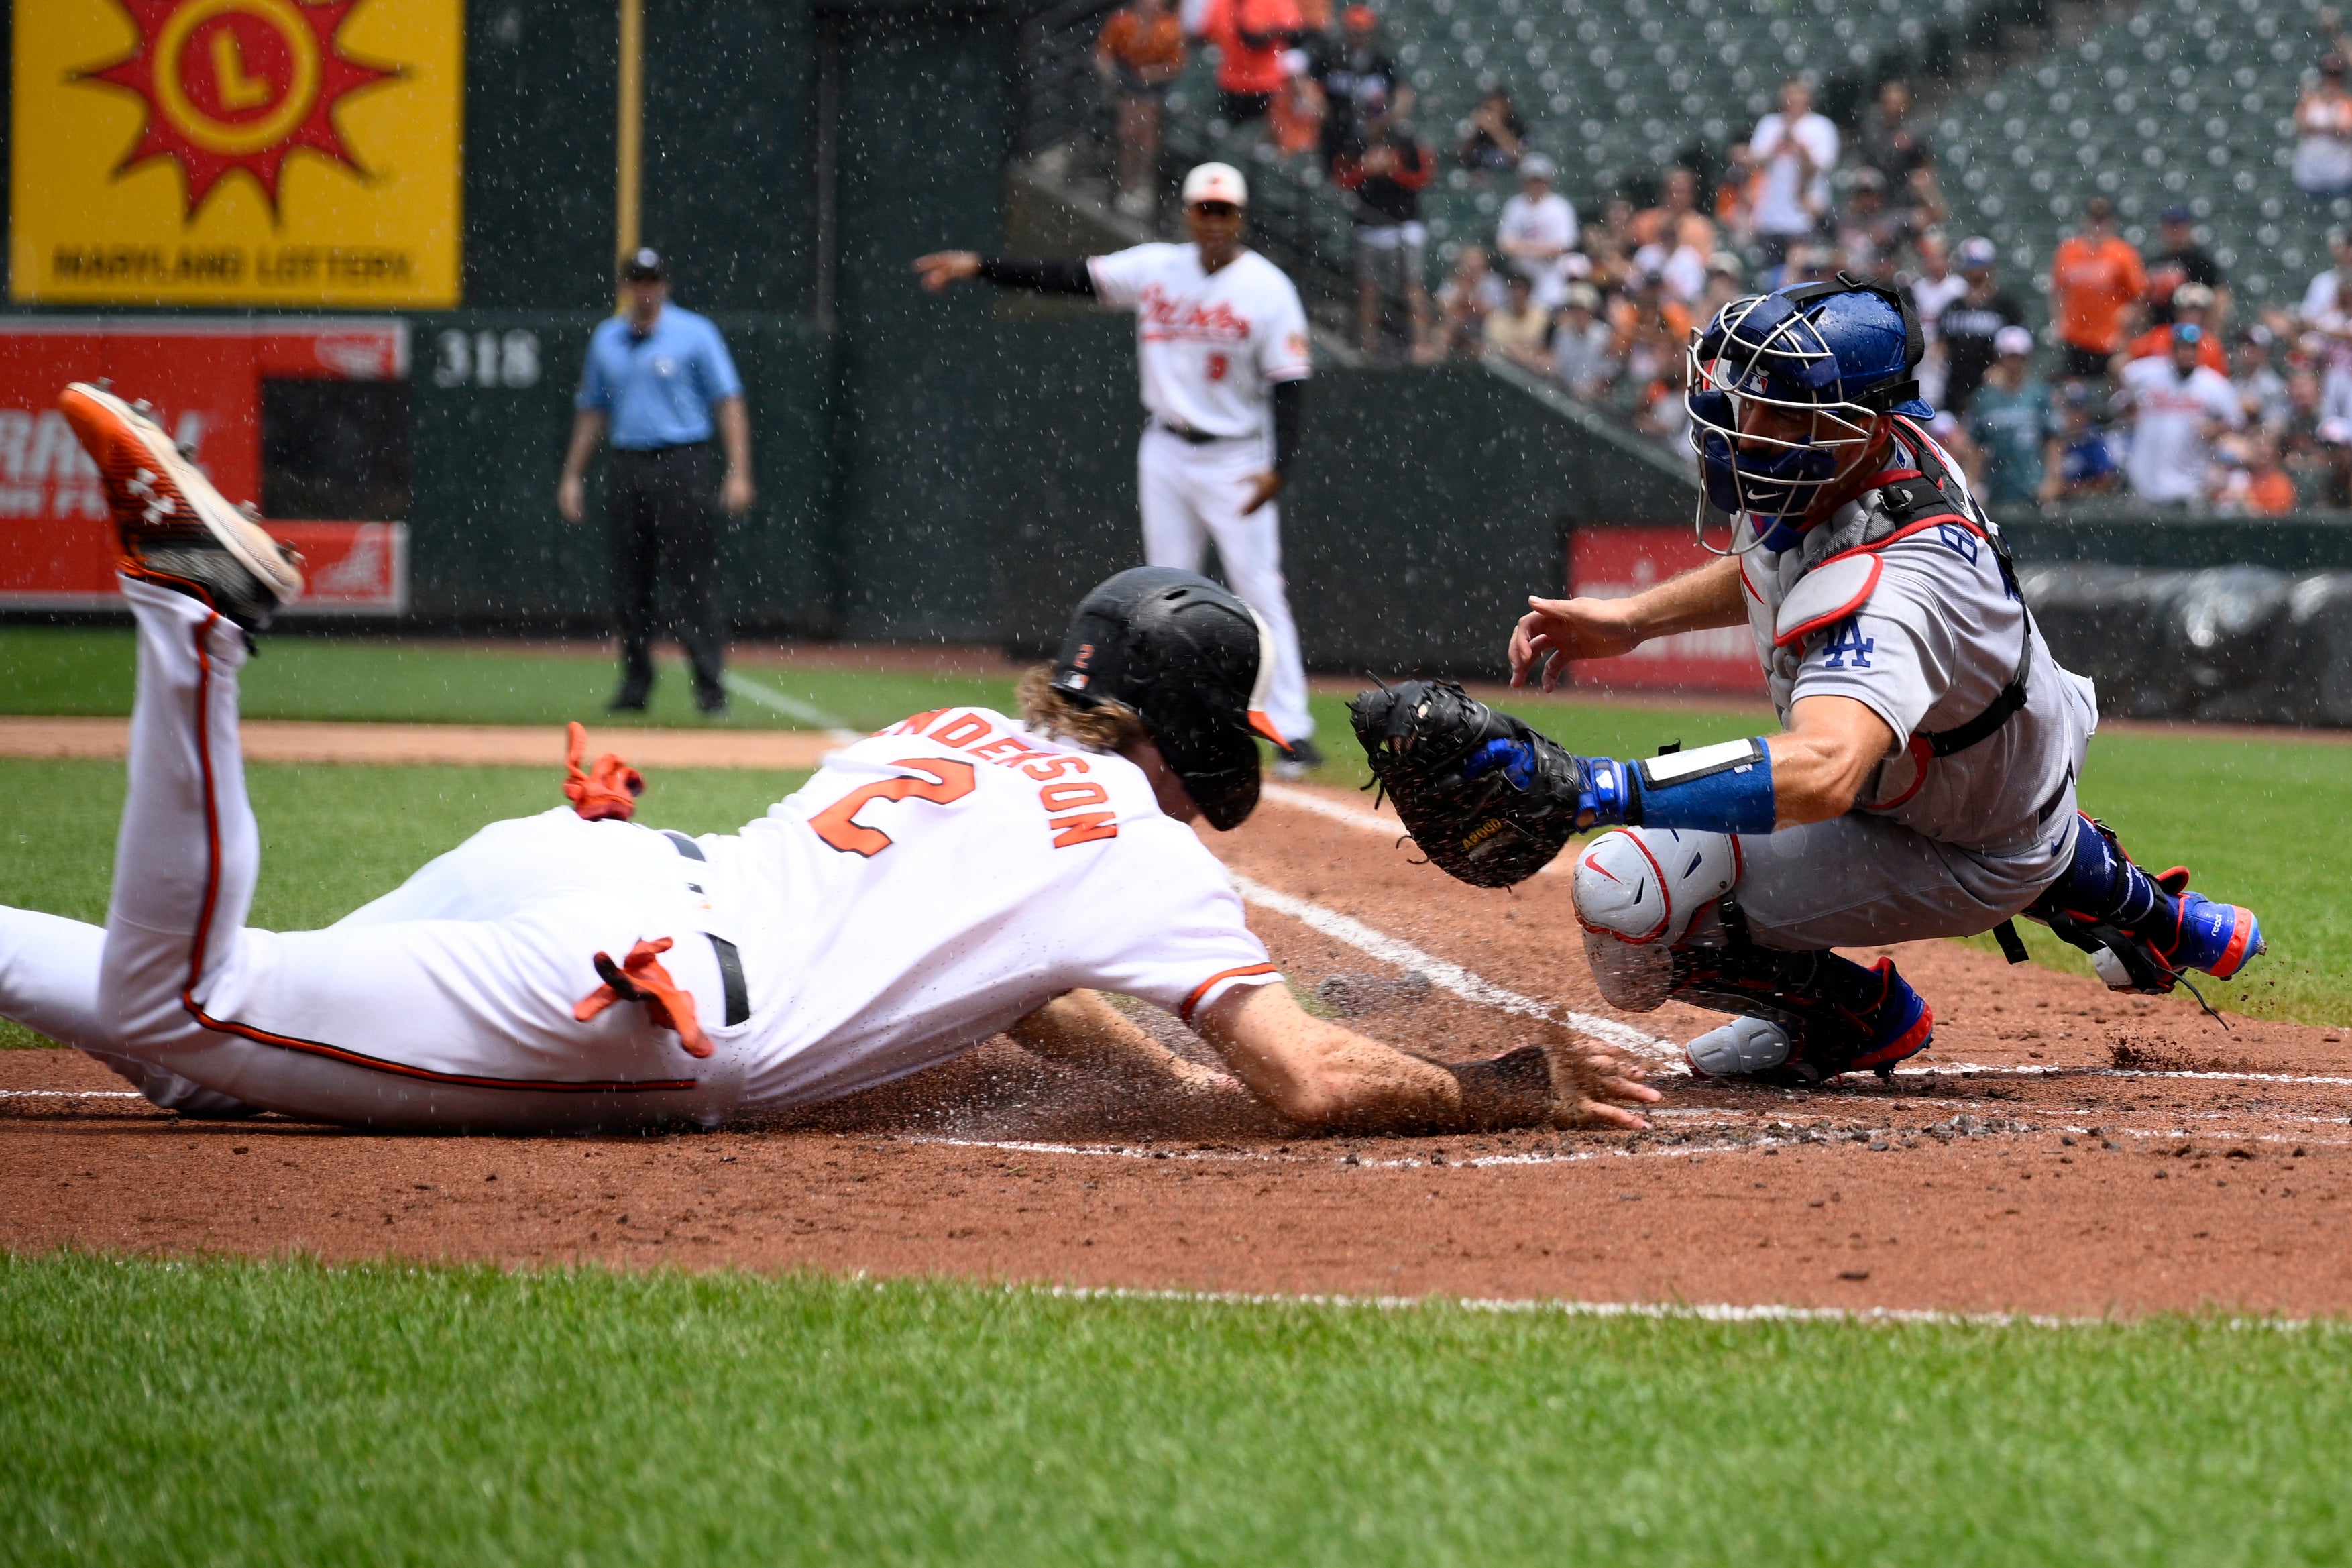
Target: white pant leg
{"type": "Point", "coordinates": [450, 1022]}
{"type": "Point", "coordinates": [48, 981]}
{"type": "Point", "coordinates": [1250, 546]}
{"type": "Point", "coordinates": [1174, 533]}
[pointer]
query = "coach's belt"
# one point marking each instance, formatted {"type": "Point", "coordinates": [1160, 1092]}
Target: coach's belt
{"type": "Point", "coordinates": [730, 961]}
{"type": "Point", "coordinates": [1193, 437]}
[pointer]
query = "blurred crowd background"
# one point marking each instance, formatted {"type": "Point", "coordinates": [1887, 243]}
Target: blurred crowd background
{"type": "Point", "coordinates": [2072, 233]}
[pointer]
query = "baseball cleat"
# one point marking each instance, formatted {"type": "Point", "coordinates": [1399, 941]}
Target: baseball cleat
{"type": "Point", "coordinates": [1741, 1048]}
{"type": "Point", "coordinates": [174, 527]}
{"type": "Point", "coordinates": [1800, 1054]}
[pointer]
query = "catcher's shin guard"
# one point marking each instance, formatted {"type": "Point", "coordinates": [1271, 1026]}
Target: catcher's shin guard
{"type": "Point", "coordinates": [1805, 1016]}
{"type": "Point", "coordinates": [2142, 932]}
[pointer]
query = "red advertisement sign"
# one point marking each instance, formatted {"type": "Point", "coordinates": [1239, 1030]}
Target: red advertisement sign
{"type": "Point", "coordinates": [57, 539]}
{"type": "Point", "coordinates": [1612, 563]}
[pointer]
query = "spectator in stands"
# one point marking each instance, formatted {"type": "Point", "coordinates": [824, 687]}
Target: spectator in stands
{"type": "Point", "coordinates": [1678, 200]}
{"type": "Point", "coordinates": [2249, 480]}
{"type": "Point", "coordinates": [1497, 136]}
{"type": "Point", "coordinates": [1807, 263]}
{"type": "Point", "coordinates": [2183, 260]}
{"type": "Point", "coordinates": [2176, 405]}
{"type": "Point", "coordinates": [1725, 282]}
{"type": "Point", "coordinates": [2262, 390]}
{"type": "Point", "coordinates": [1386, 177]}
{"type": "Point", "coordinates": [2087, 464]}
{"type": "Point", "coordinates": [1967, 326]}
{"type": "Point", "coordinates": [1665, 413]}
{"type": "Point", "coordinates": [1537, 231]}
{"type": "Point", "coordinates": [2191, 303]}
{"type": "Point", "coordinates": [1583, 345]}
{"type": "Point", "coordinates": [1521, 330]}
{"type": "Point", "coordinates": [2312, 444]}
{"type": "Point", "coordinates": [1892, 144]}
{"type": "Point", "coordinates": [1872, 236]}
{"type": "Point", "coordinates": [1462, 303]}
{"type": "Point", "coordinates": [1796, 149]}
{"type": "Point", "coordinates": [1252, 36]}
{"type": "Point", "coordinates": [2324, 302]}
{"type": "Point", "coordinates": [1933, 286]}
{"type": "Point", "coordinates": [2095, 281]}
{"type": "Point", "coordinates": [1363, 91]}
{"type": "Point", "coordinates": [1139, 52]}
{"type": "Point", "coordinates": [2323, 129]}
{"type": "Point", "coordinates": [2014, 425]}
{"type": "Point", "coordinates": [1735, 196]}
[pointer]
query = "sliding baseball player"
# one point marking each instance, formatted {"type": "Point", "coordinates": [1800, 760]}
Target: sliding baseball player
{"type": "Point", "coordinates": [1924, 785]}
{"type": "Point", "coordinates": [1222, 339]}
{"type": "Point", "coordinates": [956, 875]}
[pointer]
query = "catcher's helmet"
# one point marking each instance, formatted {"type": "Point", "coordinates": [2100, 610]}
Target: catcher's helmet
{"type": "Point", "coordinates": [1842, 351]}
{"type": "Point", "coordinates": [1192, 661]}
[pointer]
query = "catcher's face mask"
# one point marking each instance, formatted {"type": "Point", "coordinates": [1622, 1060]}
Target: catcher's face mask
{"type": "Point", "coordinates": [1778, 414]}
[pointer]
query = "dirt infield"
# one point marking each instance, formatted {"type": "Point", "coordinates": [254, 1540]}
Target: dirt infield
{"type": "Point", "coordinates": [2062, 1150]}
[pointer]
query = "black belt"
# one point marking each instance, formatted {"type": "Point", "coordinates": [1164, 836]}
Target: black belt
{"type": "Point", "coordinates": [1193, 437]}
{"type": "Point", "coordinates": [702, 445]}
{"type": "Point", "coordinates": [731, 961]}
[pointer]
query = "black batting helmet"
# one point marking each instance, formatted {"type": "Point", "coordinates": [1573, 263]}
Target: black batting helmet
{"type": "Point", "coordinates": [1192, 662]}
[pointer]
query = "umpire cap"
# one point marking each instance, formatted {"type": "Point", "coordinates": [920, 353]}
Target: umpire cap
{"type": "Point", "coordinates": [1192, 662]}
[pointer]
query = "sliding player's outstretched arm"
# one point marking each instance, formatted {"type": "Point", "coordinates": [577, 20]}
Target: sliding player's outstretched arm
{"type": "Point", "coordinates": [1322, 1076]}
{"type": "Point", "coordinates": [1080, 1030]}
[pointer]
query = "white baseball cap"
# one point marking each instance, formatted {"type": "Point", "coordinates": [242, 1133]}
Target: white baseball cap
{"type": "Point", "coordinates": [1216, 182]}
{"type": "Point", "coordinates": [2012, 341]}
{"type": "Point", "coordinates": [1535, 167]}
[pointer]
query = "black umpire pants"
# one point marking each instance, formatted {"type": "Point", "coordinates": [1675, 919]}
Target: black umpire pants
{"type": "Point", "coordinates": [663, 511]}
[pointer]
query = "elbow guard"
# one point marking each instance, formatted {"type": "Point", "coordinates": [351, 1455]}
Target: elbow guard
{"type": "Point", "coordinates": [1715, 789]}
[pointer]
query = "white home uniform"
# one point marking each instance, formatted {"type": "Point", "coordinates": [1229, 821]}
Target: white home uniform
{"type": "Point", "coordinates": [2169, 412]}
{"type": "Point", "coordinates": [1210, 345]}
{"type": "Point", "coordinates": [933, 884]}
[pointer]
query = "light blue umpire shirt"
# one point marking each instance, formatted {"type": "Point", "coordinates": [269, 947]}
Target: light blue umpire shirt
{"type": "Point", "coordinates": [657, 391]}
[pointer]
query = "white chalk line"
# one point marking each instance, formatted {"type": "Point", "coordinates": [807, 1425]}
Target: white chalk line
{"type": "Point", "coordinates": [1355, 816]}
{"type": "Point", "coordinates": [71, 1094]}
{"type": "Point", "coordinates": [790, 706]}
{"type": "Point", "coordinates": [1333, 810]}
{"type": "Point", "coordinates": [1656, 1310]}
{"type": "Point", "coordinates": [1449, 976]}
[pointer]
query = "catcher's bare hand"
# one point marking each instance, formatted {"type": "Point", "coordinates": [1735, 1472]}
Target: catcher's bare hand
{"type": "Point", "coordinates": [1595, 1084]}
{"type": "Point", "coordinates": [1554, 631]}
{"type": "Point", "coordinates": [942, 267]}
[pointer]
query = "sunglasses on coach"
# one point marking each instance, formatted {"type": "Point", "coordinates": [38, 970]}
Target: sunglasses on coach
{"type": "Point", "coordinates": [1216, 209]}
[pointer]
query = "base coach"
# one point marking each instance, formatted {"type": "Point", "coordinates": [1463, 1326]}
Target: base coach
{"type": "Point", "coordinates": [658, 378]}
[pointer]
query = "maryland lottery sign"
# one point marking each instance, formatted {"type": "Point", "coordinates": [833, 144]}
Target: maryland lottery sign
{"type": "Point", "coordinates": [236, 152]}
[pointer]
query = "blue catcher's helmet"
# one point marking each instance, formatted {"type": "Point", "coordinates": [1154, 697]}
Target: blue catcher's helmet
{"type": "Point", "coordinates": [1842, 352]}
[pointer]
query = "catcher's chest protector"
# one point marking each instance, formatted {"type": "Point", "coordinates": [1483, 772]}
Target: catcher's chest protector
{"type": "Point", "coordinates": [1793, 597]}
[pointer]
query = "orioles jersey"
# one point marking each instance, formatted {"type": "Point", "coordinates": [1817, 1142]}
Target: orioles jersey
{"type": "Point", "coordinates": [1209, 344]}
{"type": "Point", "coordinates": [945, 877]}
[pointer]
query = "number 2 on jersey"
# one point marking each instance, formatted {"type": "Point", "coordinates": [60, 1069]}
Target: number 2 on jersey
{"type": "Point", "coordinates": [838, 826]}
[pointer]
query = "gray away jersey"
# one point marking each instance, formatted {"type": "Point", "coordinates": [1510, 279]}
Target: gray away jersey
{"type": "Point", "coordinates": [1924, 631]}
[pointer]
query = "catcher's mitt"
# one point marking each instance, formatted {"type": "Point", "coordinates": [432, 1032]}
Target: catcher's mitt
{"type": "Point", "coordinates": [1490, 814]}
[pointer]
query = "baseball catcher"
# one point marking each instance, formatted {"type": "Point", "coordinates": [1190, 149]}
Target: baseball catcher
{"type": "Point", "coordinates": [1923, 784]}
{"type": "Point", "coordinates": [957, 875]}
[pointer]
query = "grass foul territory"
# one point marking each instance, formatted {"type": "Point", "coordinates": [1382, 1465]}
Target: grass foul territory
{"type": "Point", "coordinates": [285, 1412]}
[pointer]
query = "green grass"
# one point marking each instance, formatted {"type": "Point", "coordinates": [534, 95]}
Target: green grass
{"type": "Point", "coordinates": [285, 1412]}
{"type": "Point", "coordinates": [50, 671]}
{"type": "Point", "coordinates": [332, 837]}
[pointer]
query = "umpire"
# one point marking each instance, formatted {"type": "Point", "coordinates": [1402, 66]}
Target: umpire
{"type": "Point", "coordinates": [658, 377]}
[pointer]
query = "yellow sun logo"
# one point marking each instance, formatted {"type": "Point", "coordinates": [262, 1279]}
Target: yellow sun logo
{"type": "Point", "coordinates": [237, 84]}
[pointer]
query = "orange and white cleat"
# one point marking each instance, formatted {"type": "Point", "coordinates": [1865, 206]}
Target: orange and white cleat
{"type": "Point", "coordinates": [175, 528]}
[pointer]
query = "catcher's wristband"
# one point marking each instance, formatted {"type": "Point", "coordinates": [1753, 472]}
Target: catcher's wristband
{"type": "Point", "coordinates": [1513, 1089]}
{"type": "Point", "coordinates": [1716, 789]}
